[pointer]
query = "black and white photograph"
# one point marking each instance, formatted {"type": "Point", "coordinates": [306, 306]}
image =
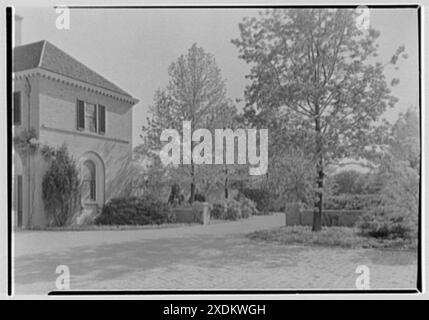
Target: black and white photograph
{"type": "Point", "coordinates": [258, 149]}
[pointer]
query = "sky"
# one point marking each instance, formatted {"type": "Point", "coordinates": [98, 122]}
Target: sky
{"type": "Point", "coordinates": [133, 48]}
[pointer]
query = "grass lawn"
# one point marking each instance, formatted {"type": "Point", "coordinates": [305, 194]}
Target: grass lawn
{"type": "Point", "coordinates": [329, 236]}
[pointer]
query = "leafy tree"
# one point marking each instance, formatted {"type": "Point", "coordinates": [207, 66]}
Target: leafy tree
{"type": "Point", "coordinates": [61, 187]}
{"type": "Point", "coordinates": [405, 138]}
{"type": "Point", "coordinates": [196, 92]}
{"type": "Point", "coordinates": [151, 180]}
{"type": "Point", "coordinates": [313, 68]}
{"type": "Point", "coordinates": [349, 181]}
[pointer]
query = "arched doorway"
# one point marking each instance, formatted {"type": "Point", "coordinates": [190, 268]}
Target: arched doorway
{"type": "Point", "coordinates": [93, 179]}
{"type": "Point", "coordinates": [18, 190]}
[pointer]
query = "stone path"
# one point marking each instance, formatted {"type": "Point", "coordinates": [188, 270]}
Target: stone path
{"type": "Point", "coordinates": [217, 256]}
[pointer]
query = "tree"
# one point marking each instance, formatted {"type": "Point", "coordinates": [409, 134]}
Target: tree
{"type": "Point", "coordinates": [349, 181]}
{"type": "Point", "coordinates": [196, 92]}
{"type": "Point", "coordinates": [61, 187]}
{"type": "Point", "coordinates": [405, 138]}
{"type": "Point", "coordinates": [313, 67]}
{"type": "Point", "coordinates": [400, 167]}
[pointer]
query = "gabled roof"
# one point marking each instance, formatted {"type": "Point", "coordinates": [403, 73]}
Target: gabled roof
{"type": "Point", "coordinates": [45, 55]}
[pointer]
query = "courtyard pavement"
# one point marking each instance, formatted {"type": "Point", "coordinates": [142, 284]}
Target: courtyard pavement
{"type": "Point", "coordinates": [216, 256]}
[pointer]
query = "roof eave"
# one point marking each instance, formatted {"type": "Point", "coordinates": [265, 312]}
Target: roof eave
{"type": "Point", "coordinates": [38, 71]}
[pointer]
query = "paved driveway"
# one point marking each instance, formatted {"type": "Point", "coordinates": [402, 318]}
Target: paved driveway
{"type": "Point", "coordinates": [217, 256]}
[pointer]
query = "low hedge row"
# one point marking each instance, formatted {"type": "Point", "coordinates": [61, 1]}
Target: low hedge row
{"type": "Point", "coordinates": [232, 209]}
{"type": "Point", "coordinates": [147, 210]}
{"type": "Point", "coordinates": [351, 202]}
{"type": "Point", "coordinates": [379, 224]}
{"type": "Point", "coordinates": [134, 211]}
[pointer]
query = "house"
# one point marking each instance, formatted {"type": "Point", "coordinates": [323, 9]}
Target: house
{"type": "Point", "coordinates": [63, 101]}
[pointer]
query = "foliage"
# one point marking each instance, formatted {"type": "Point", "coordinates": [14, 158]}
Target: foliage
{"type": "Point", "coordinates": [176, 197]}
{"type": "Point", "coordinates": [196, 92]}
{"type": "Point", "coordinates": [248, 207]}
{"type": "Point", "coordinates": [348, 181]}
{"type": "Point", "coordinates": [233, 210]}
{"type": "Point", "coordinates": [291, 176]}
{"type": "Point", "coordinates": [352, 202]}
{"type": "Point", "coordinates": [26, 142]}
{"type": "Point", "coordinates": [404, 143]}
{"type": "Point", "coordinates": [260, 197]}
{"type": "Point", "coordinates": [218, 210]}
{"type": "Point", "coordinates": [200, 197]}
{"type": "Point", "coordinates": [330, 237]}
{"type": "Point", "coordinates": [134, 211]}
{"type": "Point", "coordinates": [61, 187]}
{"type": "Point", "coordinates": [397, 213]}
{"type": "Point", "coordinates": [378, 224]}
{"type": "Point", "coordinates": [152, 179]}
{"type": "Point", "coordinates": [312, 68]}
{"type": "Point", "coordinates": [398, 169]}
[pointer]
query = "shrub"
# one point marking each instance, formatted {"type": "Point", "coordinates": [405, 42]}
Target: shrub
{"type": "Point", "coordinates": [248, 207]}
{"type": "Point", "coordinates": [199, 197]}
{"type": "Point", "coordinates": [259, 196]}
{"type": "Point", "coordinates": [348, 181]}
{"type": "Point", "coordinates": [229, 209]}
{"type": "Point", "coordinates": [60, 187]}
{"type": "Point", "coordinates": [378, 224]}
{"type": "Point", "coordinates": [176, 197]}
{"type": "Point", "coordinates": [135, 211]}
{"type": "Point", "coordinates": [351, 202]}
{"type": "Point", "coordinates": [233, 210]}
{"type": "Point", "coordinates": [218, 210]}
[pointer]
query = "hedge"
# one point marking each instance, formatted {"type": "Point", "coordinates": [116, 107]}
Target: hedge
{"type": "Point", "coordinates": [134, 211]}
{"type": "Point", "coordinates": [351, 202]}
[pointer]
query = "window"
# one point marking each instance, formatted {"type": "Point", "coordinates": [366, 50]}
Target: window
{"type": "Point", "coordinates": [89, 186]}
{"type": "Point", "coordinates": [91, 117]}
{"type": "Point", "coordinates": [17, 108]}
{"type": "Point", "coordinates": [80, 115]}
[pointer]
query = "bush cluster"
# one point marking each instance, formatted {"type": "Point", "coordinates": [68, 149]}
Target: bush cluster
{"type": "Point", "coordinates": [378, 224]}
{"type": "Point", "coordinates": [259, 196]}
{"type": "Point", "coordinates": [248, 208]}
{"type": "Point", "coordinates": [135, 211]}
{"type": "Point", "coordinates": [232, 209]}
{"type": "Point", "coordinates": [351, 202]}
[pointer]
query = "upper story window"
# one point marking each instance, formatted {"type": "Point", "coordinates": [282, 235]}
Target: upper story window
{"type": "Point", "coordinates": [90, 117]}
{"type": "Point", "coordinates": [17, 108]}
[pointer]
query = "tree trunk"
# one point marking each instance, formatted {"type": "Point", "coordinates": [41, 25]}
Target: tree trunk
{"type": "Point", "coordinates": [318, 204]}
{"type": "Point", "coordinates": [192, 196]}
{"type": "Point", "coordinates": [226, 188]}
{"type": "Point", "coordinates": [226, 183]}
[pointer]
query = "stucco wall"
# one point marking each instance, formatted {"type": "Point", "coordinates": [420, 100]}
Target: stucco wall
{"type": "Point", "coordinates": [58, 109]}
{"type": "Point", "coordinates": [53, 106]}
{"type": "Point", "coordinates": [29, 88]}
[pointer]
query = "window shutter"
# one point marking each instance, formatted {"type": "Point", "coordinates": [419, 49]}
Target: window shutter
{"type": "Point", "coordinates": [17, 107]}
{"type": "Point", "coordinates": [80, 115]}
{"type": "Point", "coordinates": [101, 119]}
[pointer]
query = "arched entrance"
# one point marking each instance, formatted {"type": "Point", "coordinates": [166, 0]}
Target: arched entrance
{"type": "Point", "coordinates": [18, 190]}
{"type": "Point", "coordinates": [93, 179]}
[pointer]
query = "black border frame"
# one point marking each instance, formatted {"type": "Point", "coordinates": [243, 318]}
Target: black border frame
{"type": "Point", "coordinates": [9, 33]}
